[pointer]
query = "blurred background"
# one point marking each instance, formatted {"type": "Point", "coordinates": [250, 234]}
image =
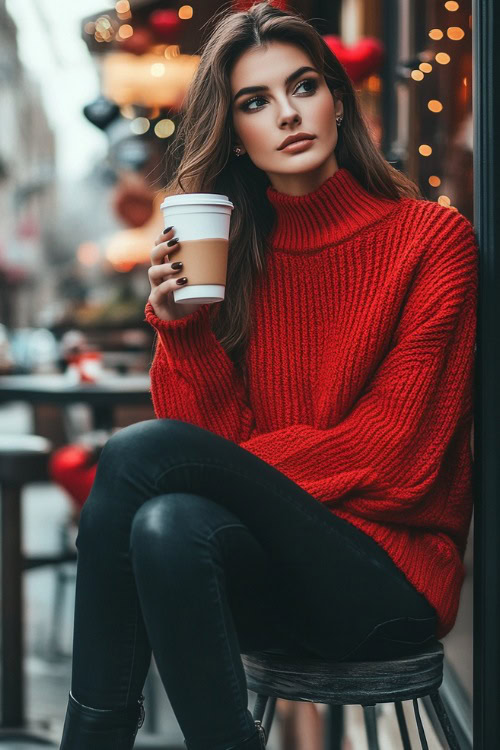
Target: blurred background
{"type": "Point", "coordinates": [90, 100]}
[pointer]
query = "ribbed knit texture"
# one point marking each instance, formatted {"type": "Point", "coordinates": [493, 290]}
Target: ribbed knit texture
{"type": "Point", "coordinates": [360, 371]}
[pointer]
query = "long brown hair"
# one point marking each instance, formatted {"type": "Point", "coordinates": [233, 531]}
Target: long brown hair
{"type": "Point", "coordinates": [202, 158]}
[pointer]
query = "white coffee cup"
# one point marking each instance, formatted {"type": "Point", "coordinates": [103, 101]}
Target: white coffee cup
{"type": "Point", "coordinates": [201, 222]}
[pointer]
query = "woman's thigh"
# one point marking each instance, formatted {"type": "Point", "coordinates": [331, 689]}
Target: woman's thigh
{"type": "Point", "coordinates": [331, 584]}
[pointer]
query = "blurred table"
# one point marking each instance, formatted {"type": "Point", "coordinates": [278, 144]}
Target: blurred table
{"type": "Point", "coordinates": [102, 397]}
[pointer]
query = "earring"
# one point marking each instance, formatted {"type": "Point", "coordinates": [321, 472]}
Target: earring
{"type": "Point", "coordinates": [237, 150]}
{"type": "Point", "coordinates": [339, 119]}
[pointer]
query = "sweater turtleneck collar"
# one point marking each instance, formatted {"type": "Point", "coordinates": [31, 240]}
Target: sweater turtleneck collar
{"type": "Point", "coordinates": [337, 209]}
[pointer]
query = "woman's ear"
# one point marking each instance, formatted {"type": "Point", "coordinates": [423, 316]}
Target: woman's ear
{"type": "Point", "coordinates": [339, 105]}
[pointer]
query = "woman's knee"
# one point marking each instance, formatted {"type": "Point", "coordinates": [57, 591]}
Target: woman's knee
{"type": "Point", "coordinates": [177, 522]}
{"type": "Point", "coordinates": [148, 441]}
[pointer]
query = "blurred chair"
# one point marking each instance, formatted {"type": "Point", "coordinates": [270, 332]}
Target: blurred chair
{"type": "Point", "coordinates": [23, 459]}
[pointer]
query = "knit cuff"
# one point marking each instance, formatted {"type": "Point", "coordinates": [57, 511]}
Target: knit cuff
{"type": "Point", "coordinates": [185, 338]}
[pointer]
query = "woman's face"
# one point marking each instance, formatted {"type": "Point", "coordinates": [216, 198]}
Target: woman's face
{"type": "Point", "coordinates": [263, 119]}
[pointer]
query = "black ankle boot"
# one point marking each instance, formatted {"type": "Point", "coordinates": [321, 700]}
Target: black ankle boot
{"type": "Point", "coordinates": [88, 728]}
{"type": "Point", "coordinates": [256, 742]}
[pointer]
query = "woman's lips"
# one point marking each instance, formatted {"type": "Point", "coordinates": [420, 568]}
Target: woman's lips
{"type": "Point", "coordinates": [299, 145]}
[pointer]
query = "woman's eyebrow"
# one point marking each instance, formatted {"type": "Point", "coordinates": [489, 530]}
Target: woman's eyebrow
{"type": "Point", "coordinates": [289, 79]}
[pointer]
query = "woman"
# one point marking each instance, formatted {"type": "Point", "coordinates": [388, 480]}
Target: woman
{"type": "Point", "coordinates": [307, 484]}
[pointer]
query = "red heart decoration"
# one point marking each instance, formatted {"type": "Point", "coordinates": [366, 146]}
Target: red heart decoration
{"type": "Point", "coordinates": [361, 59]}
{"type": "Point", "coordinates": [132, 204]}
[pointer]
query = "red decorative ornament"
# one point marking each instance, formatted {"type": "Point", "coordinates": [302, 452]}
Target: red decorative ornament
{"type": "Point", "coordinates": [165, 24]}
{"type": "Point", "coordinates": [139, 43]}
{"type": "Point", "coordinates": [361, 59]}
{"type": "Point", "coordinates": [133, 204]}
{"type": "Point", "coordinates": [73, 467]}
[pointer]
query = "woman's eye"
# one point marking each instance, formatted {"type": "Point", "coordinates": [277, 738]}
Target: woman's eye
{"type": "Point", "coordinates": [310, 81]}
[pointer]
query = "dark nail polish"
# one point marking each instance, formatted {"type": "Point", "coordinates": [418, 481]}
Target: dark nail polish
{"type": "Point", "coordinates": [177, 265]}
{"type": "Point", "coordinates": [170, 243]}
{"type": "Point", "coordinates": [165, 231]}
{"type": "Point", "coordinates": [181, 281]}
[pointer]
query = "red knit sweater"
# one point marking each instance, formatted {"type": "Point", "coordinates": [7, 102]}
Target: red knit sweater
{"type": "Point", "coordinates": [360, 370]}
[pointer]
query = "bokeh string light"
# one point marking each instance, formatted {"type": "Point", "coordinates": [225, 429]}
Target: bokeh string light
{"type": "Point", "coordinates": [455, 34]}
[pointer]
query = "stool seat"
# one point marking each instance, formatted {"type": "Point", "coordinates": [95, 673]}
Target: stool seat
{"type": "Point", "coordinates": [363, 682]}
{"type": "Point", "coordinates": [277, 674]}
{"type": "Point", "coordinates": [24, 458]}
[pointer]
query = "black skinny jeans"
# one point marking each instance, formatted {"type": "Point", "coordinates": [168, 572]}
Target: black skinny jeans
{"type": "Point", "coordinates": [192, 547]}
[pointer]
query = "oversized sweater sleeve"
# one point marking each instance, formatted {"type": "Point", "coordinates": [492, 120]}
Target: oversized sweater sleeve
{"type": "Point", "coordinates": [194, 380]}
{"type": "Point", "coordinates": [385, 455]}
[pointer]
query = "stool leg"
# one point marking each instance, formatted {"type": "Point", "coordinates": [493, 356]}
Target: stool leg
{"type": "Point", "coordinates": [403, 729]}
{"type": "Point", "coordinates": [420, 726]}
{"type": "Point", "coordinates": [260, 706]}
{"type": "Point", "coordinates": [334, 727]}
{"type": "Point", "coordinates": [444, 721]}
{"type": "Point", "coordinates": [371, 727]}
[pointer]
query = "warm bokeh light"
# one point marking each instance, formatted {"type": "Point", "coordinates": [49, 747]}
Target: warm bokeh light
{"type": "Point", "coordinates": [140, 125]}
{"type": "Point", "coordinates": [444, 200]}
{"type": "Point", "coordinates": [127, 79]}
{"type": "Point", "coordinates": [125, 31]}
{"type": "Point", "coordinates": [373, 83]}
{"type": "Point", "coordinates": [88, 253]}
{"type": "Point", "coordinates": [417, 75]}
{"type": "Point", "coordinates": [185, 12]}
{"type": "Point", "coordinates": [436, 34]}
{"type": "Point", "coordinates": [434, 105]}
{"type": "Point", "coordinates": [102, 24]}
{"type": "Point", "coordinates": [465, 82]}
{"type": "Point", "coordinates": [127, 111]}
{"type": "Point", "coordinates": [173, 50]}
{"type": "Point", "coordinates": [434, 180]}
{"type": "Point", "coordinates": [89, 27]}
{"type": "Point", "coordinates": [455, 33]}
{"type": "Point", "coordinates": [425, 67]}
{"type": "Point", "coordinates": [424, 150]}
{"type": "Point", "coordinates": [442, 58]}
{"type": "Point", "coordinates": [104, 31]}
{"type": "Point", "coordinates": [122, 6]}
{"type": "Point", "coordinates": [451, 5]}
{"type": "Point", "coordinates": [158, 70]}
{"type": "Point", "coordinates": [164, 128]}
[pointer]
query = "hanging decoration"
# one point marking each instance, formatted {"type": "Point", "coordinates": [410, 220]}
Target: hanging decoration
{"type": "Point", "coordinates": [165, 24]}
{"type": "Point", "coordinates": [139, 42]}
{"type": "Point", "coordinates": [101, 112]}
{"type": "Point", "coordinates": [361, 59]}
{"type": "Point", "coordinates": [133, 204]}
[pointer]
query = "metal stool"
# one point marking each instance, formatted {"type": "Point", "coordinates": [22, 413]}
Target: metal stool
{"type": "Point", "coordinates": [296, 678]}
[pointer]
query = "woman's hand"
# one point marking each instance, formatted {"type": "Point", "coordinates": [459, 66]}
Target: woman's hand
{"type": "Point", "coordinates": [162, 278]}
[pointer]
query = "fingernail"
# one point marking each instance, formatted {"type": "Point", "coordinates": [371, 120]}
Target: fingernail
{"type": "Point", "coordinates": [177, 265]}
{"type": "Point", "coordinates": [172, 242]}
{"type": "Point", "coordinates": [181, 281]}
{"type": "Point", "coordinates": [168, 229]}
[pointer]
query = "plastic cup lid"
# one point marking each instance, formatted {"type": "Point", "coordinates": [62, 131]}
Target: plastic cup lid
{"type": "Point", "coordinates": [196, 199]}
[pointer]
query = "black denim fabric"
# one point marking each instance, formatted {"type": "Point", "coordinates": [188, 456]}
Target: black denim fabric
{"type": "Point", "coordinates": [193, 548]}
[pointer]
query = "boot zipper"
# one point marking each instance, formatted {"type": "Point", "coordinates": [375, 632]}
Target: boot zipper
{"type": "Point", "coordinates": [142, 712]}
{"type": "Point", "coordinates": [262, 731]}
